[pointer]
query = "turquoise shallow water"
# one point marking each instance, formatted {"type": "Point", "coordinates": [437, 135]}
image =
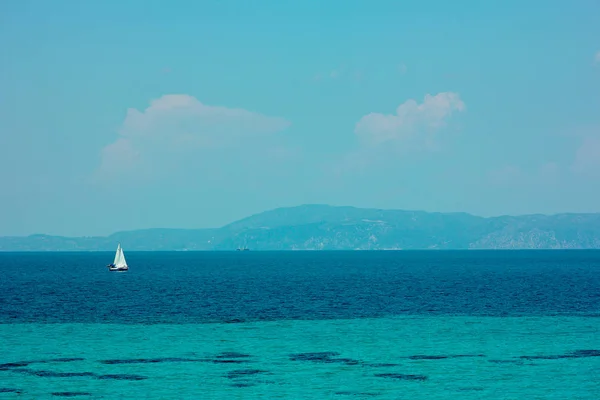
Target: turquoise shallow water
{"type": "Point", "coordinates": [425, 357]}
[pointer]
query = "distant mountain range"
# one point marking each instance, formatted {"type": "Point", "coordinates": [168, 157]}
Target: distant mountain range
{"type": "Point", "coordinates": [322, 227]}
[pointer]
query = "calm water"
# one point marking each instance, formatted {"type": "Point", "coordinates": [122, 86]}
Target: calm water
{"type": "Point", "coordinates": [339, 325]}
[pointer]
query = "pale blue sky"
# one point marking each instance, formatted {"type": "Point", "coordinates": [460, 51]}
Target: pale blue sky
{"type": "Point", "coordinates": [126, 114]}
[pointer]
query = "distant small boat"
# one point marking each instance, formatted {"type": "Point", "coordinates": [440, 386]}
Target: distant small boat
{"type": "Point", "coordinates": [243, 249]}
{"type": "Point", "coordinates": [119, 264]}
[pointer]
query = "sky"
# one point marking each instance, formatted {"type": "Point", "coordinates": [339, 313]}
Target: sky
{"type": "Point", "coordinates": [131, 114]}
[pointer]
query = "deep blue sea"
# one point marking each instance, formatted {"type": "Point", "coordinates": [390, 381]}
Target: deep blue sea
{"type": "Point", "coordinates": [301, 325]}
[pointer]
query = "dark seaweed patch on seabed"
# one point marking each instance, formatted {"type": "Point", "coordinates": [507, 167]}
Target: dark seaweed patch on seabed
{"type": "Point", "coordinates": [54, 374]}
{"type": "Point", "coordinates": [123, 377]}
{"type": "Point", "coordinates": [244, 373]}
{"type": "Point", "coordinates": [234, 321]}
{"type": "Point", "coordinates": [418, 357]}
{"type": "Point", "coordinates": [347, 361]}
{"type": "Point", "coordinates": [232, 354]}
{"type": "Point", "coordinates": [63, 359]}
{"type": "Point", "coordinates": [326, 357]}
{"type": "Point", "coordinates": [10, 390]}
{"type": "Point", "coordinates": [51, 374]}
{"type": "Point", "coordinates": [230, 357]}
{"type": "Point", "coordinates": [18, 364]}
{"type": "Point", "coordinates": [404, 377]}
{"type": "Point", "coordinates": [573, 354]}
{"type": "Point", "coordinates": [471, 389]}
{"type": "Point", "coordinates": [70, 394]}
{"type": "Point", "coordinates": [442, 357]}
{"type": "Point", "coordinates": [316, 357]}
{"type": "Point", "coordinates": [219, 361]}
{"type": "Point", "coordinates": [7, 366]}
{"type": "Point", "coordinates": [241, 384]}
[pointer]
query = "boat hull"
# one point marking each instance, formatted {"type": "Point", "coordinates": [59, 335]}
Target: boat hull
{"type": "Point", "coordinates": [116, 269]}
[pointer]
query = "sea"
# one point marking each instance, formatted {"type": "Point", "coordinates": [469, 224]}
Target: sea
{"type": "Point", "coordinates": [301, 325]}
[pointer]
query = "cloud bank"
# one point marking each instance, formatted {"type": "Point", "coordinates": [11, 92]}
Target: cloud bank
{"type": "Point", "coordinates": [177, 124]}
{"type": "Point", "coordinates": [410, 118]}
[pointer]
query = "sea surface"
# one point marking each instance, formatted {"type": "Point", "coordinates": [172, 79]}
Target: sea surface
{"type": "Point", "coordinates": [301, 325]}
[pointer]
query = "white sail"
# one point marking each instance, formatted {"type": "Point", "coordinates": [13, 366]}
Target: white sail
{"type": "Point", "coordinates": [117, 254]}
{"type": "Point", "coordinates": [119, 258]}
{"type": "Point", "coordinates": [122, 261]}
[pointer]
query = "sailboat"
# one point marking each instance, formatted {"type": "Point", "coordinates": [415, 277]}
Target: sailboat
{"type": "Point", "coordinates": [119, 264]}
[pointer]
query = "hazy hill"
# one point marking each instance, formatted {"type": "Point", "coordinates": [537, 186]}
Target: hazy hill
{"type": "Point", "coordinates": [322, 227]}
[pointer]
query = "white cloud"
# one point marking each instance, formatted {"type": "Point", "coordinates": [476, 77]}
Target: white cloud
{"type": "Point", "coordinates": [118, 156]}
{"type": "Point", "coordinates": [410, 118]}
{"type": "Point", "coordinates": [179, 116]}
{"type": "Point", "coordinates": [597, 58]}
{"type": "Point", "coordinates": [179, 123]}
